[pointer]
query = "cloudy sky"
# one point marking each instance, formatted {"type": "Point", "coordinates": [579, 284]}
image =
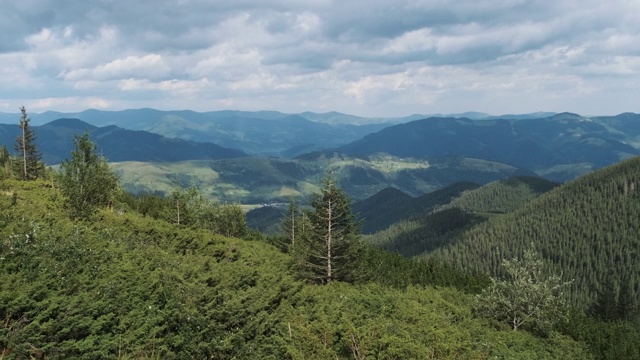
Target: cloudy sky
{"type": "Point", "coordinates": [368, 58]}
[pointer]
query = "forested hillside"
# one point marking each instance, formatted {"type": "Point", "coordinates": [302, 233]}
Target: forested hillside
{"type": "Point", "coordinates": [446, 219]}
{"type": "Point", "coordinates": [587, 229]}
{"type": "Point", "coordinates": [560, 147]}
{"type": "Point", "coordinates": [390, 205]}
{"type": "Point", "coordinates": [502, 196]}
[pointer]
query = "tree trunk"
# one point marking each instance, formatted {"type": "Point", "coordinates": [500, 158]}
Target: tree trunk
{"type": "Point", "coordinates": [329, 239]}
{"type": "Point", "coordinates": [24, 152]}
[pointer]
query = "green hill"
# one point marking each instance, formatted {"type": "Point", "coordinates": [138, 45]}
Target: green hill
{"type": "Point", "coordinates": [128, 286]}
{"type": "Point", "coordinates": [559, 147]}
{"type": "Point", "coordinates": [586, 229]}
{"type": "Point", "coordinates": [463, 207]}
{"type": "Point", "coordinates": [390, 205]}
{"type": "Point", "coordinates": [266, 180]}
{"type": "Point", "coordinates": [55, 141]}
{"type": "Point", "coordinates": [502, 196]}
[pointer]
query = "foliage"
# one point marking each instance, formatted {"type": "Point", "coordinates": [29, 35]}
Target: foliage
{"type": "Point", "coordinates": [586, 229]}
{"type": "Point", "coordinates": [605, 340]}
{"type": "Point", "coordinates": [125, 285]}
{"type": "Point", "coordinates": [342, 321]}
{"type": "Point", "coordinates": [612, 304]}
{"type": "Point", "coordinates": [28, 163]}
{"type": "Point", "coordinates": [190, 208]}
{"type": "Point", "coordinates": [87, 180]}
{"type": "Point", "coordinates": [525, 297]}
{"type": "Point", "coordinates": [394, 270]}
{"type": "Point", "coordinates": [391, 206]}
{"type": "Point", "coordinates": [6, 162]}
{"type": "Point", "coordinates": [330, 250]}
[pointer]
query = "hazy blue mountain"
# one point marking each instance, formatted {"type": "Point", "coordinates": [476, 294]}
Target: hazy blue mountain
{"type": "Point", "coordinates": [258, 132]}
{"type": "Point", "coordinates": [9, 118]}
{"type": "Point", "coordinates": [536, 115]}
{"type": "Point", "coordinates": [559, 147]}
{"type": "Point", "coordinates": [55, 142]}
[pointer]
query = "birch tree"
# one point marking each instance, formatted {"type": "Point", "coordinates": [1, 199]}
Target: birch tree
{"type": "Point", "coordinates": [525, 297]}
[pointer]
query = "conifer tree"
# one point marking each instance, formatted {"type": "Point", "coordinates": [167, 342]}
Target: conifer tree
{"type": "Point", "coordinates": [331, 250]}
{"type": "Point", "coordinates": [291, 222]}
{"type": "Point", "coordinates": [605, 306]}
{"type": "Point", "coordinates": [29, 164]}
{"type": "Point", "coordinates": [5, 162]}
{"type": "Point", "coordinates": [626, 306]}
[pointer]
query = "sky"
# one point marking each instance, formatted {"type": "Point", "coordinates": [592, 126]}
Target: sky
{"type": "Point", "coordinates": [370, 58]}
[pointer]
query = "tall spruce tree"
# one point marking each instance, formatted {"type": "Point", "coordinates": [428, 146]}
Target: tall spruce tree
{"type": "Point", "coordinates": [29, 164]}
{"type": "Point", "coordinates": [626, 307]}
{"type": "Point", "coordinates": [87, 180]}
{"type": "Point", "coordinates": [331, 249]}
{"type": "Point", "coordinates": [605, 306]}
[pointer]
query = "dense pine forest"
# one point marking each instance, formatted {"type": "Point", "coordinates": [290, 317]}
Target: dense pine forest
{"type": "Point", "coordinates": [587, 229]}
{"type": "Point", "coordinates": [91, 271]}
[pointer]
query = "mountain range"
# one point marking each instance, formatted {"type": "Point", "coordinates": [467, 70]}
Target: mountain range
{"type": "Point", "coordinates": [257, 132]}
{"type": "Point", "coordinates": [55, 142]}
{"type": "Point", "coordinates": [559, 147]}
{"type": "Point", "coordinates": [416, 157]}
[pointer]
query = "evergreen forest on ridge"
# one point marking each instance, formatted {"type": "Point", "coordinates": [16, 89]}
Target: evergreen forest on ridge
{"type": "Point", "coordinates": [434, 238]}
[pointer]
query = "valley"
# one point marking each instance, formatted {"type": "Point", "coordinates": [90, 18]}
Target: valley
{"type": "Point", "coordinates": [432, 208]}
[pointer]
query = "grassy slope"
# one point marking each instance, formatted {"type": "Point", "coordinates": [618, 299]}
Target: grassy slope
{"type": "Point", "coordinates": [125, 286]}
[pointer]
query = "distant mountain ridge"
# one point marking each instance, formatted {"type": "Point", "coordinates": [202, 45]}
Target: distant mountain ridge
{"type": "Point", "coordinates": [559, 147]}
{"type": "Point", "coordinates": [55, 142]}
{"type": "Point", "coordinates": [255, 132]}
{"type": "Point", "coordinates": [259, 133]}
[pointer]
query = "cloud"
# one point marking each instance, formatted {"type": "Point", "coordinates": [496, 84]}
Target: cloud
{"type": "Point", "coordinates": [378, 58]}
{"type": "Point", "coordinates": [150, 66]}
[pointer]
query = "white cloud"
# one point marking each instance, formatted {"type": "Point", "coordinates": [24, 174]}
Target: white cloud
{"type": "Point", "coordinates": [386, 57]}
{"type": "Point", "coordinates": [151, 66]}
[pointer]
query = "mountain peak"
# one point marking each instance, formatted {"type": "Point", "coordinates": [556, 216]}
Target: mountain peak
{"type": "Point", "coordinates": [70, 123]}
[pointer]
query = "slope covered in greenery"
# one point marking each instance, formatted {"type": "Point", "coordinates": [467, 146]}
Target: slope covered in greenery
{"type": "Point", "coordinates": [390, 205]}
{"type": "Point", "coordinates": [502, 196]}
{"type": "Point", "coordinates": [265, 180]}
{"type": "Point", "coordinates": [587, 229]}
{"type": "Point", "coordinates": [55, 140]}
{"type": "Point", "coordinates": [128, 286]}
{"type": "Point", "coordinates": [445, 220]}
{"type": "Point", "coordinates": [559, 147]}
